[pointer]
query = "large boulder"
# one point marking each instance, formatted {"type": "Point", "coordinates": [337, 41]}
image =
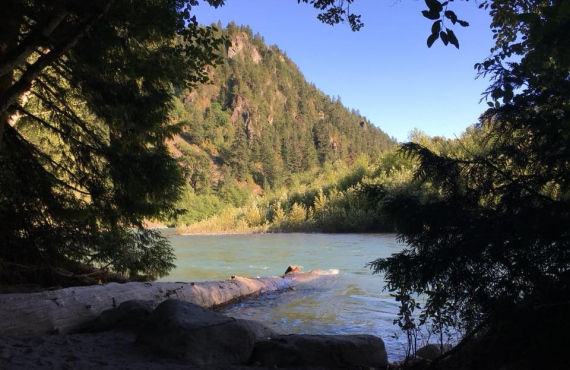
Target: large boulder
{"type": "Point", "coordinates": [432, 351]}
{"type": "Point", "coordinates": [328, 351]}
{"type": "Point", "coordinates": [200, 336]}
{"type": "Point", "coordinates": [260, 331]}
{"type": "Point", "coordinates": [130, 315]}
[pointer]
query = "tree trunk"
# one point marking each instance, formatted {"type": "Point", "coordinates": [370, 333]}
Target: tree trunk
{"type": "Point", "coordinates": [65, 310]}
{"type": "Point", "coordinates": [9, 30]}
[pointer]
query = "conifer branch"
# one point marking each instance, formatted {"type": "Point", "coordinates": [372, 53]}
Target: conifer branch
{"type": "Point", "coordinates": [25, 81]}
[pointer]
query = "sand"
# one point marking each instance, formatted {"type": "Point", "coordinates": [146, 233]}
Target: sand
{"type": "Point", "coordinates": [107, 350]}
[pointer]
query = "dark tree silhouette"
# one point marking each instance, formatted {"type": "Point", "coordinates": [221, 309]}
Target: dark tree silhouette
{"type": "Point", "coordinates": [492, 250]}
{"type": "Point", "coordinates": [85, 92]}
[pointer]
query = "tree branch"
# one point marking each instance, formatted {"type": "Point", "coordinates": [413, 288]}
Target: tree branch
{"type": "Point", "coordinates": [21, 53]}
{"type": "Point", "coordinates": [55, 129]}
{"type": "Point", "coordinates": [25, 81]}
{"type": "Point", "coordinates": [32, 148]}
{"type": "Point", "coordinates": [70, 115]}
{"type": "Point", "coordinates": [459, 346]}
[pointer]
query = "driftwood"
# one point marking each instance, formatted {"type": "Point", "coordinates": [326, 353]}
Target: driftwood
{"type": "Point", "coordinates": [65, 310]}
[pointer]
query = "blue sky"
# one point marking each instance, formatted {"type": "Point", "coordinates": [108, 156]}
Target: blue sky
{"type": "Point", "coordinates": [385, 70]}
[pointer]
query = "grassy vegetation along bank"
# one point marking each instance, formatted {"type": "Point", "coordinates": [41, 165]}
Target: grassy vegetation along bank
{"type": "Point", "coordinates": [335, 198]}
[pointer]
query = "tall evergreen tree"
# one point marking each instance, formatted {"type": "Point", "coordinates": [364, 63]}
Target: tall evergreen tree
{"type": "Point", "coordinates": [85, 92]}
{"type": "Point", "coordinates": [493, 247]}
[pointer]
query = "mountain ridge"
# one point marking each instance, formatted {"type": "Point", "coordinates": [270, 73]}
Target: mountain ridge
{"type": "Point", "coordinates": [258, 123]}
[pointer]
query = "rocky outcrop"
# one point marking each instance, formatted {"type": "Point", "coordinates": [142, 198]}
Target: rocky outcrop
{"type": "Point", "coordinates": [179, 335]}
{"type": "Point", "coordinates": [67, 310]}
{"type": "Point", "coordinates": [205, 338]}
{"type": "Point", "coordinates": [328, 351]}
{"type": "Point", "coordinates": [240, 44]}
{"type": "Point", "coordinates": [200, 336]}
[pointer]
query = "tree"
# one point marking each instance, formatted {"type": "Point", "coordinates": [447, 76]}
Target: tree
{"type": "Point", "coordinates": [336, 11]}
{"type": "Point", "coordinates": [492, 250]}
{"type": "Point", "coordinates": [85, 92]}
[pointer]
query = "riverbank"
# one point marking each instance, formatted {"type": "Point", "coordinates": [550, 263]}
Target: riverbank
{"type": "Point", "coordinates": [52, 330]}
{"type": "Point", "coordinates": [351, 302]}
{"type": "Point", "coordinates": [66, 310]}
{"type": "Point", "coordinates": [180, 335]}
{"type": "Point", "coordinates": [224, 233]}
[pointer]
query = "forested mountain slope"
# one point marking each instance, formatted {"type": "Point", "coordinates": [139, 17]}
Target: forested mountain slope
{"type": "Point", "coordinates": [258, 122]}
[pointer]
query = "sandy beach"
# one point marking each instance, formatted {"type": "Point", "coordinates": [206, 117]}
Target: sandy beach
{"type": "Point", "coordinates": [107, 350]}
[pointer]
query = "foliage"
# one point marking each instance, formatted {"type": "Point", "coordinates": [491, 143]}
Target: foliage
{"type": "Point", "coordinates": [258, 125]}
{"type": "Point", "coordinates": [441, 13]}
{"type": "Point", "coordinates": [253, 216]}
{"type": "Point", "coordinates": [336, 11]}
{"type": "Point", "coordinates": [197, 207]}
{"type": "Point", "coordinates": [85, 92]}
{"type": "Point", "coordinates": [492, 246]}
{"type": "Point", "coordinates": [297, 215]}
{"type": "Point", "coordinates": [337, 198]}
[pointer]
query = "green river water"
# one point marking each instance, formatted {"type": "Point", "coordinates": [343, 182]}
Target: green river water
{"type": "Point", "coordinates": [352, 302]}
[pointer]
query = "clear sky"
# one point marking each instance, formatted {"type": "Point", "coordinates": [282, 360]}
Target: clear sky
{"type": "Point", "coordinates": [385, 70]}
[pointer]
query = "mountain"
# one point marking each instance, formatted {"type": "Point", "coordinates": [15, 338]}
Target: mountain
{"type": "Point", "coordinates": [258, 122]}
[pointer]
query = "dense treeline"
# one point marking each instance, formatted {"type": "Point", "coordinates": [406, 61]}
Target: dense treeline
{"type": "Point", "coordinates": [340, 197]}
{"type": "Point", "coordinates": [258, 124]}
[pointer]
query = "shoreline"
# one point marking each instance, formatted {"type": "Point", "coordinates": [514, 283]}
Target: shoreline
{"type": "Point", "coordinates": [51, 329]}
{"type": "Point", "coordinates": [224, 233]}
{"type": "Point", "coordinates": [207, 233]}
{"type": "Point", "coordinates": [65, 310]}
{"type": "Point", "coordinates": [180, 335]}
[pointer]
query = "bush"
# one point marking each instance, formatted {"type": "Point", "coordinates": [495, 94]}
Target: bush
{"type": "Point", "coordinates": [297, 216]}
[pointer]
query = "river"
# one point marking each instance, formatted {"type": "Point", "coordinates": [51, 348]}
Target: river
{"type": "Point", "coordinates": [352, 302]}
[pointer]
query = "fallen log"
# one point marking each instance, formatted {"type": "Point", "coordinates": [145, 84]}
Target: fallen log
{"type": "Point", "coordinates": [65, 310]}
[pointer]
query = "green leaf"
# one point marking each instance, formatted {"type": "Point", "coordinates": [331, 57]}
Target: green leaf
{"type": "Point", "coordinates": [444, 38]}
{"type": "Point", "coordinates": [431, 39]}
{"type": "Point", "coordinates": [452, 39]}
{"type": "Point", "coordinates": [496, 93]}
{"type": "Point", "coordinates": [436, 27]}
{"type": "Point", "coordinates": [434, 5]}
{"type": "Point", "coordinates": [451, 15]}
{"type": "Point", "coordinates": [430, 15]}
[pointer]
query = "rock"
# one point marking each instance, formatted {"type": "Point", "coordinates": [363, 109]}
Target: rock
{"type": "Point", "coordinates": [329, 351]}
{"type": "Point", "coordinates": [200, 336]}
{"type": "Point", "coordinates": [293, 269]}
{"type": "Point", "coordinates": [260, 331]}
{"type": "Point", "coordinates": [130, 315]}
{"type": "Point", "coordinates": [432, 351]}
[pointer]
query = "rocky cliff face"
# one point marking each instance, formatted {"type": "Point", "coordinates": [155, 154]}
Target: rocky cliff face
{"type": "Point", "coordinates": [260, 121]}
{"type": "Point", "coordinates": [241, 46]}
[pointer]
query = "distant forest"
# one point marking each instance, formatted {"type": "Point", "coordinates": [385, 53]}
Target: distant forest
{"type": "Point", "coordinates": [257, 127]}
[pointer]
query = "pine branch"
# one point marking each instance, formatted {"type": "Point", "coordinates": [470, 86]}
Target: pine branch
{"type": "Point", "coordinates": [55, 129]}
{"type": "Point", "coordinates": [27, 47]}
{"type": "Point", "coordinates": [25, 81]}
{"type": "Point", "coordinates": [68, 112]}
{"type": "Point", "coordinates": [34, 150]}
{"type": "Point", "coordinates": [486, 162]}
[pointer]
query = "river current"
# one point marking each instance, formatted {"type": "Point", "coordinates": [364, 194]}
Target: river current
{"type": "Point", "coordinates": [352, 302]}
